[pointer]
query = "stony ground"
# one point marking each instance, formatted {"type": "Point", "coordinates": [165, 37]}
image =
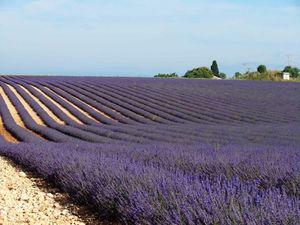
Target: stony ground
{"type": "Point", "coordinates": [27, 199]}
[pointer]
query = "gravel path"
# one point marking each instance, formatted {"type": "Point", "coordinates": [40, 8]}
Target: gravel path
{"type": "Point", "coordinates": [27, 199]}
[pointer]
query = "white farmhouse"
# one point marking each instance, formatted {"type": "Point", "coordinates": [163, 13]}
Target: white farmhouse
{"type": "Point", "coordinates": [286, 75]}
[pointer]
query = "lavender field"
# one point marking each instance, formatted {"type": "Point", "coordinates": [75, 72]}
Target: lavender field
{"type": "Point", "coordinates": [160, 151]}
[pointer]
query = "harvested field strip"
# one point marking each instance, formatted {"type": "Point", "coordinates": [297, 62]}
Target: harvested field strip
{"type": "Point", "coordinates": [64, 110]}
{"type": "Point", "coordinates": [75, 106]}
{"type": "Point", "coordinates": [6, 135]}
{"type": "Point", "coordinates": [49, 112]}
{"type": "Point", "coordinates": [32, 113]}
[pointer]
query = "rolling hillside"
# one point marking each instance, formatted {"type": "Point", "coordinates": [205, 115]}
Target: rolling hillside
{"type": "Point", "coordinates": [137, 110]}
{"type": "Point", "coordinates": [160, 151]}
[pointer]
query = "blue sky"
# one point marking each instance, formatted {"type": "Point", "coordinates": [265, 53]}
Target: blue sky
{"type": "Point", "coordinates": [142, 38]}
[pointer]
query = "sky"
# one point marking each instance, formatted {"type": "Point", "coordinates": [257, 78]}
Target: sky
{"type": "Point", "coordinates": [143, 38]}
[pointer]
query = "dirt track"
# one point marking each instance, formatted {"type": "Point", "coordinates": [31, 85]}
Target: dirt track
{"type": "Point", "coordinates": [22, 202]}
{"type": "Point", "coordinates": [27, 199]}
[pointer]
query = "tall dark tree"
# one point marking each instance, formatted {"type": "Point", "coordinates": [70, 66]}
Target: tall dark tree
{"type": "Point", "coordinates": [215, 69]}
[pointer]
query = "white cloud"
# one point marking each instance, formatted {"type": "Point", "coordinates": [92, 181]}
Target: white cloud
{"type": "Point", "coordinates": [67, 34]}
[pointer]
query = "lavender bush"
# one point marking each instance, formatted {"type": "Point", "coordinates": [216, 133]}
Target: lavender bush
{"type": "Point", "coordinates": [174, 184]}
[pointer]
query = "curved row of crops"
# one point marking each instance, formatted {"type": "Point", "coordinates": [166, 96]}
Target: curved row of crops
{"type": "Point", "coordinates": [146, 111]}
{"type": "Point", "coordinates": [156, 151]}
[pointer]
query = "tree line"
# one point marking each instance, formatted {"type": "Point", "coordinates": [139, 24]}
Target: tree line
{"type": "Point", "coordinates": [199, 72]}
{"type": "Point", "coordinates": [262, 73]}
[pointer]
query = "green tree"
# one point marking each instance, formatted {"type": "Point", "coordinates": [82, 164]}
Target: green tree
{"type": "Point", "coordinates": [238, 75]}
{"type": "Point", "coordinates": [261, 69]}
{"type": "Point", "coordinates": [166, 75]}
{"type": "Point", "coordinates": [223, 75]}
{"type": "Point", "coordinates": [294, 71]}
{"type": "Point", "coordinates": [214, 68]}
{"type": "Point", "coordinates": [200, 72]}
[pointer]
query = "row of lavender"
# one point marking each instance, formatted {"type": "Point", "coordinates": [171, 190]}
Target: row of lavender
{"type": "Point", "coordinates": [247, 99]}
{"type": "Point", "coordinates": [144, 120]}
{"type": "Point", "coordinates": [173, 184]}
{"type": "Point", "coordinates": [91, 131]}
{"type": "Point", "coordinates": [165, 183]}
